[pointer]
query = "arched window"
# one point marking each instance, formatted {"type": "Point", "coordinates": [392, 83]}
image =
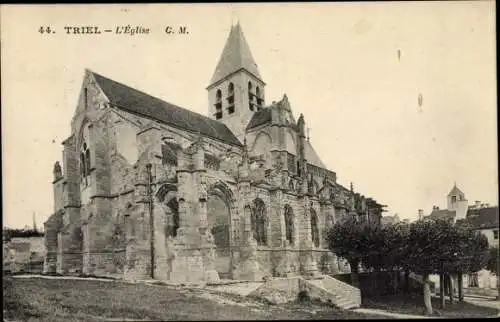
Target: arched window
{"type": "Point", "coordinates": [259, 222]}
{"type": "Point", "coordinates": [85, 164]}
{"type": "Point", "coordinates": [87, 161]}
{"type": "Point", "coordinates": [230, 98]}
{"type": "Point", "coordinates": [250, 97]}
{"type": "Point", "coordinates": [218, 105]}
{"type": "Point", "coordinates": [259, 99]}
{"type": "Point", "coordinates": [82, 165]}
{"type": "Point", "coordinates": [314, 228]}
{"type": "Point", "coordinates": [173, 222]}
{"type": "Point", "coordinates": [289, 226]}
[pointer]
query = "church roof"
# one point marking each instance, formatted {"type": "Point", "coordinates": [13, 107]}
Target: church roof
{"type": "Point", "coordinates": [236, 55]}
{"type": "Point", "coordinates": [137, 102]}
{"type": "Point", "coordinates": [264, 116]}
{"type": "Point", "coordinates": [260, 117]}
{"type": "Point", "coordinates": [312, 157]}
{"type": "Point", "coordinates": [455, 191]}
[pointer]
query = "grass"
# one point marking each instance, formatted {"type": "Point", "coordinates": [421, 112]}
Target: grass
{"type": "Point", "coordinates": [38, 299]}
{"type": "Point", "coordinates": [414, 304]}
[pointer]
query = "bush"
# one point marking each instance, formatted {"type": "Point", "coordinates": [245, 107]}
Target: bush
{"type": "Point", "coordinates": [303, 296]}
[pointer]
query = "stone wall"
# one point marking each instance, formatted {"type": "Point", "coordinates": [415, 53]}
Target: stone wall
{"type": "Point", "coordinates": [116, 202]}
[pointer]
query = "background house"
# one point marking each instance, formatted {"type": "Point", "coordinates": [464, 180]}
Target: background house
{"type": "Point", "coordinates": [481, 217]}
{"type": "Point", "coordinates": [484, 219]}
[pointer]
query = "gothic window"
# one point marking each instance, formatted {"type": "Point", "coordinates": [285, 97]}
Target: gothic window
{"type": "Point", "coordinates": [250, 97]}
{"type": "Point", "coordinates": [87, 161]}
{"type": "Point", "coordinates": [218, 105]}
{"type": "Point", "coordinates": [314, 228]}
{"type": "Point", "coordinates": [85, 164]}
{"type": "Point", "coordinates": [259, 99]}
{"type": "Point", "coordinates": [169, 154]}
{"type": "Point", "coordinates": [82, 165]}
{"type": "Point", "coordinates": [259, 222]}
{"type": "Point", "coordinates": [453, 199]}
{"type": "Point", "coordinates": [230, 98]}
{"type": "Point", "coordinates": [289, 226]}
{"type": "Point", "coordinates": [173, 221]}
{"type": "Point", "coordinates": [212, 162]}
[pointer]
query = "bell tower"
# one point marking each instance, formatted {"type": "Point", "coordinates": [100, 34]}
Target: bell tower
{"type": "Point", "coordinates": [236, 90]}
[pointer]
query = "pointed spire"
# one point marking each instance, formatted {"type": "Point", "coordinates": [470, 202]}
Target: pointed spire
{"type": "Point", "coordinates": [301, 125]}
{"type": "Point", "coordinates": [236, 55]}
{"type": "Point", "coordinates": [57, 171]}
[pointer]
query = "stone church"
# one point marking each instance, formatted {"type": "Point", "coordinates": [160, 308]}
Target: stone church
{"type": "Point", "coordinates": [147, 189]}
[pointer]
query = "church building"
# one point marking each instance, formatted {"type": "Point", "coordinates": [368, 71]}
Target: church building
{"type": "Point", "coordinates": [147, 189]}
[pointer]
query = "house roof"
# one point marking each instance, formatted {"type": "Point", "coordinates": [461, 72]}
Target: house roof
{"type": "Point", "coordinates": [137, 102]}
{"type": "Point", "coordinates": [442, 214]}
{"type": "Point", "coordinates": [236, 55]}
{"type": "Point", "coordinates": [455, 191]}
{"type": "Point", "coordinates": [483, 218]}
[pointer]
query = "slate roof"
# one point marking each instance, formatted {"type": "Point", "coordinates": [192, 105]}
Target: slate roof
{"type": "Point", "coordinates": [236, 55]}
{"type": "Point", "coordinates": [264, 116]}
{"type": "Point", "coordinates": [483, 218]}
{"type": "Point", "coordinates": [312, 157]}
{"type": "Point", "coordinates": [455, 191]}
{"type": "Point", "coordinates": [260, 117]}
{"type": "Point", "coordinates": [137, 102]}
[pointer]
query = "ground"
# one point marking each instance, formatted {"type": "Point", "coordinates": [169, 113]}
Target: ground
{"type": "Point", "coordinates": [40, 299]}
{"type": "Point", "coordinates": [414, 304]}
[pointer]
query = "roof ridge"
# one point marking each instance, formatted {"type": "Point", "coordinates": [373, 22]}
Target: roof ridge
{"type": "Point", "coordinates": [142, 92]}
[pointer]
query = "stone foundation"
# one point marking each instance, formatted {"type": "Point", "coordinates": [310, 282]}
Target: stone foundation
{"type": "Point", "coordinates": [69, 263]}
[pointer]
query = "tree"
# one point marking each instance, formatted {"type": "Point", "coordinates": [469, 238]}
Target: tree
{"type": "Point", "coordinates": [386, 250]}
{"type": "Point", "coordinates": [351, 240]}
{"type": "Point", "coordinates": [493, 265]}
{"type": "Point", "coordinates": [431, 246]}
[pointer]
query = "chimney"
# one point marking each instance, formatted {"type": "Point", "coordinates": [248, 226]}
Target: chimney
{"type": "Point", "coordinates": [420, 214]}
{"type": "Point", "coordinates": [477, 203]}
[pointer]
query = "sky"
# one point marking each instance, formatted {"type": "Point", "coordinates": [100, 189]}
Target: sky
{"type": "Point", "coordinates": [338, 63]}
